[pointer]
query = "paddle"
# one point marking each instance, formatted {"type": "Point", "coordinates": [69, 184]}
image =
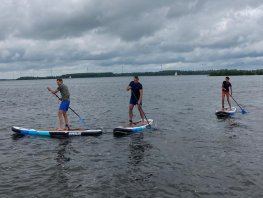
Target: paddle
{"type": "Point", "coordinates": [81, 120]}
{"type": "Point", "coordinates": [141, 109]}
{"type": "Point", "coordinates": [242, 110]}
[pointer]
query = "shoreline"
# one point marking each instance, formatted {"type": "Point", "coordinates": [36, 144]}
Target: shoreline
{"type": "Point", "coordinates": [175, 73]}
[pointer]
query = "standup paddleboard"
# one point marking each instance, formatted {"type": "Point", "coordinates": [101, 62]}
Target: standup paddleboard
{"type": "Point", "coordinates": [55, 133]}
{"type": "Point", "coordinates": [226, 112]}
{"type": "Point", "coordinates": [136, 127]}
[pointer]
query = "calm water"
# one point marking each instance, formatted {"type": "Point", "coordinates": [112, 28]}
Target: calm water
{"type": "Point", "coordinates": [191, 154]}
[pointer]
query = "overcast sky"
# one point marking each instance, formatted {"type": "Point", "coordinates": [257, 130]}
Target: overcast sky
{"type": "Point", "coordinates": [47, 37]}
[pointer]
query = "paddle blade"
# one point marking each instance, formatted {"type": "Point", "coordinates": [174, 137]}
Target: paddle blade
{"type": "Point", "coordinates": [82, 121]}
{"type": "Point", "coordinates": [152, 127]}
{"type": "Point", "coordinates": [148, 127]}
{"type": "Point", "coordinates": [243, 111]}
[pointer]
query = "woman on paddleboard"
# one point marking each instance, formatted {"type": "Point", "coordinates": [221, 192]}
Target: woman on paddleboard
{"type": "Point", "coordinates": [226, 91]}
{"type": "Point", "coordinates": [136, 98]}
{"type": "Point", "coordinates": [64, 105]}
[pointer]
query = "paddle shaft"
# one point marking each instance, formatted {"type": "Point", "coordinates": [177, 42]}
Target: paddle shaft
{"type": "Point", "coordinates": [236, 102]}
{"type": "Point", "coordinates": [140, 107]}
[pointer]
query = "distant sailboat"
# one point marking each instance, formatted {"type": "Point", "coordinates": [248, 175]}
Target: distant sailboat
{"type": "Point", "coordinates": [175, 74]}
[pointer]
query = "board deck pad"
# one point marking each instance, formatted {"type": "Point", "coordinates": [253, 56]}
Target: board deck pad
{"type": "Point", "coordinates": [136, 127]}
{"type": "Point", "coordinates": [136, 124]}
{"type": "Point", "coordinates": [54, 132]}
{"type": "Point", "coordinates": [61, 131]}
{"type": "Point", "coordinates": [226, 112]}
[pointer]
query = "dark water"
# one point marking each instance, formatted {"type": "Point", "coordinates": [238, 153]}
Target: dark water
{"type": "Point", "coordinates": [191, 154]}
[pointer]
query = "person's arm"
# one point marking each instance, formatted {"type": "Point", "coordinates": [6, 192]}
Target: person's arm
{"type": "Point", "coordinates": [140, 99]}
{"type": "Point", "coordinates": [52, 91]}
{"type": "Point", "coordinates": [128, 88]}
{"type": "Point", "coordinates": [230, 90]}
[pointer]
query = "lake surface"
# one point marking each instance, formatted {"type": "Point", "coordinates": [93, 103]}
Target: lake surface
{"type": "Point", "coordinates": [190, 154]}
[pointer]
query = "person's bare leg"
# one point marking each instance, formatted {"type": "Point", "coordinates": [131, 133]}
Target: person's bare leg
{"type": "Point", "coordinates": [60, 119]}
{"type": "Point", "coordinates": [141, 113]}
{"type": "Point", "coordinates": [130, 112]}
{"type": "Point", "coordinates": [228, 100]}
{"type": "Point", "coordinates": [223, 99]}
{"type": "Point", "coordinates": [65, 115]}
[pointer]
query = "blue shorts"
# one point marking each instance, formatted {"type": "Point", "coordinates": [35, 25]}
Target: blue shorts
{"type": "Point", "coordinates": [64, 105]}
{"type": "Point", "coordinates": [134, 101]}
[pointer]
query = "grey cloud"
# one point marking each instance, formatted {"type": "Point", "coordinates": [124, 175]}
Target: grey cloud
{"type": "Point", "coordinates": [44, 34]}
{"type": "Point", "coordinates": [182, 8]}
{"type": "Point", "coordinates": [121, 18]}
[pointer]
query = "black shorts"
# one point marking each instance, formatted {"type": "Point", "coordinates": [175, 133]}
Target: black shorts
{"type": "Point", "coordinates": [134, 101]}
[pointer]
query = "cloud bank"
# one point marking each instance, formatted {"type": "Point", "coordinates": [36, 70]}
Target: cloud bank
{"type": "Point", "coordinates": [57, 37]}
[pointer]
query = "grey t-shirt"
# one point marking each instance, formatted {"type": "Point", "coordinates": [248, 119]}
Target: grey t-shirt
{"type": "Point", "coordinates": [64, 92]}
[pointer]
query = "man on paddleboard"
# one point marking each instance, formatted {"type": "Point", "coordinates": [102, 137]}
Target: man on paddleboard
{"type": "Point", "coordinates": [136, 98]}
{"type": "Point", "coordinates": [226, 91]}
{"type": "Point", "coordinates": [64, 105]}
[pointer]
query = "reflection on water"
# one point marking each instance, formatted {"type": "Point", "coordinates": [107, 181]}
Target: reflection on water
{"type": "Point", "coordinates": [17, 136]}
{"type": "Point", "coordinates": [60, 175]}
{"type": "Point", "coordinates": [137, 148]}
{"type": "Point", "coordinates": [136, 175]}
{"type": "Point", "coordinates": [62, 150]}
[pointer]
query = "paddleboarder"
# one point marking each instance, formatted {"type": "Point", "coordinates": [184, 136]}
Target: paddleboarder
{"type": "Point", "coordinates": [136, 98]}
{"type": "Point", "coordinates": [64, 105]}
{"type": "Point", "coordinates": [226, 91]}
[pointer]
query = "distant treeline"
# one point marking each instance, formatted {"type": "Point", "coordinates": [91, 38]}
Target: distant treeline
{"type": "Point", "coordinates": [224, 72]}
{"type": "Point", "coordinates": [110, 74]}
{"type": "Point", "coordinates": [159, 73]}
{"type": "Point", "coordinates": [235, 72]}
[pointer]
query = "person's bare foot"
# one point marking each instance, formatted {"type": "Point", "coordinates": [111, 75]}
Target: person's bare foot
{"type": "Point", "coordinates": [144, 122]}
{"type": "Point", "coordinates": [67, 127]}
{"type": "Point", "coordinates": [130, 123]}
